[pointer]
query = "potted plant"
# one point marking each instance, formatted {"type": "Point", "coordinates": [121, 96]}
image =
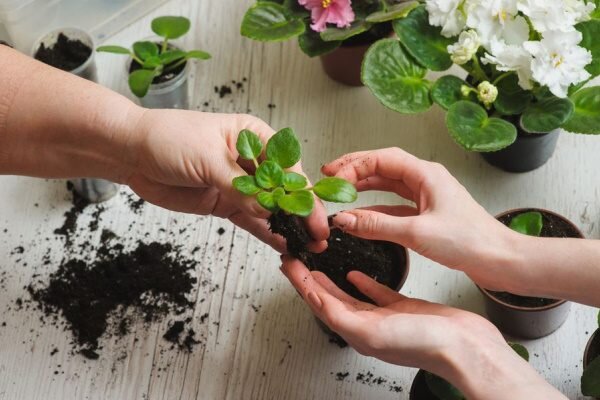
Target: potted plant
{"type": "Point", "coordinates": [71, 50]}
{"type": "Point", "coordinates": [427, 386]}
{"type": "Point", "coordinates": [158, 70]}
{"type": "Point", "coordinates": [590, 380]}
{"type": "Point", "coordinates": [339, 31]}
{"type": "Point", "coordinates": [523, 316]}
{"type": "Point", "coordinates": [525, 74]}
{"type": "Point", "coordinates": [289, 197]}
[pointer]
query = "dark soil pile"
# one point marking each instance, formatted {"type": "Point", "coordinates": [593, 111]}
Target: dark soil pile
{"type": "Point", "coordinates": [65, 54]}
{"type": "Point", "coordinates": [553, 227]}
{"type": "Point", "coordinates": [383, 261]}
{"type": "Point", "coordinates": [176, 335]}
{"type": "Point", "coordinates": [70, 223]}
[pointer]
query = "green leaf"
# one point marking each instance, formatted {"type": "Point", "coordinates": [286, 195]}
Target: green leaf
{"type": "Point", "coordinates": [471, 128]}
{"type": "Point", "coordinates": [270, 22]}
{"type": "Point", "coordinates": [586, 114]}
{"type": "Point", "coordinates": [596, 13]}
{"type": "Point", "coordinates": [198, 54]}
{"type": "Point", "coordinates": [529, 223]}
{"type": "Point", "coordinates": [299, 203]}
{"type": "Point", "coordinates": [140, 81]}
{"type": "Point", "coordinates": [447, 91]}
{"type": "Point", "coordinates": [113, 49]}
{"type": "Point", "coordinates": [598, 319]}
{"type": "Point", "coordinates": [512, 99]}
{"type": "Point", "coordinates": [520, 350]}
{"type": "Point", "coordinates": [395, 79]}
{"type": "Point", "coordinates": [295, 8]}
{"type": "Point", "coordinates": [170, 56]}
{"type": "Point", "coordinates": [312, 45]}
{"type": "Point", "coordinates": [441, 388]}
{"type": "Point", "coordinates": [269, 175]}
{"type": "Point", "coordinates": [393, 12]}
{"type": "Point", "coordinates": [335, 189]}
{"type": "Point", "coordinates": [145, 50]}
{"type": "Point", "coordinates": [546, 115]}
{"type": "Point", "coordinates": [293, 181]}
{"type": "Point", "coordinates": [246, 184]}
{"type": "Point", "coordinates": [424, 41]}
{"type": "Point", "coordinates": [152, 62]}
{"type": "Point", "coordinates": [248, 145]}
{"type": "Point", "coordinates": [332, 34]}
{"type": "Point", "coordinates": [267, 200]}
{"type": "Point", "coordinates": [170, 27]}
{"type": "Point", "coordinates": [590, 380]}
{"type": "Point", "coordinates": [278, 194]}
{"type": "Point", "coordinates": [591, 32]}
{"type": "Point", "coordinates": [284, 148]}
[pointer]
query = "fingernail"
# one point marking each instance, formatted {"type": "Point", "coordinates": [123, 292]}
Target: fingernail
{"type": "Point", "coordinates": [345, 221]}
{"type": "Point", "coordinates": [314, 300]}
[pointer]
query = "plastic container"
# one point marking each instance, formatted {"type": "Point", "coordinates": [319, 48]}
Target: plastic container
{"type": "Point", "coordinates": [170, 94]}
{"type": "Point", "coordinates": [27, 20]}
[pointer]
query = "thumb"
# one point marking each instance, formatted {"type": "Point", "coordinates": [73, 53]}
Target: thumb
{"type": "Point", "coordinates": [373, 225]}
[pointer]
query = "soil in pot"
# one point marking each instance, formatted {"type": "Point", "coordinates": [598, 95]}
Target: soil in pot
{"type": "Point", "coordinates": [165, 76]}
{"type": "Point", "coordinates": [66, 54]}
{"type": "Point", "coordinates": [553, 226]}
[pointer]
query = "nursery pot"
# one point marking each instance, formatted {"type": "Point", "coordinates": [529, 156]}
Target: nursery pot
{"type": "Point", "coordinates": [91, 189]}
{"type": "Point", "coordinates": [419, 390]}
{"type": "Point", "coordinates": [530, 321]}
{"type": "Point", "coordinates": [530, 151]}
{"type": "Point", "coordinates": [592, 349]}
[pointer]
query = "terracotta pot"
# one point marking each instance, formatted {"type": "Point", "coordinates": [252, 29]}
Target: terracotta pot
{"type": "Point", "coordinates": [592, 350]}
{"type": "Point", "coordinates": [419, 389]}
{"type": "Point", "coordinates": [527, 322]}
{"type": "Point", "coordinates": [343, 65]}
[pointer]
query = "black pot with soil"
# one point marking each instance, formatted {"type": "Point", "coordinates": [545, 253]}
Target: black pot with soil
{"type": "Point", "coordinates": [386, 262]}
{"type": "Point", "coordinates": [523, 316]}
{"type": "Point", "coordinates": [343, 65]}
{"type": "Point", "coordinates": [592, 350]}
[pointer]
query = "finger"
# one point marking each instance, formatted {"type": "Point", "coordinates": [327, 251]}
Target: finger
{"type": "Point", "coordinates": [332, 168]}
{"type": "Point", "coordinates": [380, 294]}
{"type": "Point", "coordinates": [375, 225]}
{"type": "Point", "coordinates": [335, 291]}
{"type": "Point", "coordinates": [385, 185]}
{"type": "Point", "coordinates": [396, 211]}
{"type": "Point", "coordinates": [259, 227]}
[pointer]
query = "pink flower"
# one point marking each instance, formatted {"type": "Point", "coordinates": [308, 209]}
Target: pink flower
{"type": "Point", "coordinates": [324, 12]}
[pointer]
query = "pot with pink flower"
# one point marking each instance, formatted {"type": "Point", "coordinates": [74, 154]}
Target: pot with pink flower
{"type": "Point", "coordinates": [338, 31]}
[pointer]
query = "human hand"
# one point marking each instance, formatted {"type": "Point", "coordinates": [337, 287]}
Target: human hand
{"type": "Point", "coordinates": [459, 346]}
{"type": "Point", "coordinates": [447, 225]}
{"type": "Point", "coordinates": [186, 161]}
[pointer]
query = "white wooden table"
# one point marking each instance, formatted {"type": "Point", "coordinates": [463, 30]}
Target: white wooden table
{"type": "Point", "coordinates": [276, 352]}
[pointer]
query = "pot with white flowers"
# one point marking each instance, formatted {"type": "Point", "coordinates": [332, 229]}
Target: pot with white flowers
{"type": "Point", "coordinates": [525, 73]}
{"type": "Point", "coordinates": [339, 31]}
{"type": "Point", "coordinates": [158, 69]}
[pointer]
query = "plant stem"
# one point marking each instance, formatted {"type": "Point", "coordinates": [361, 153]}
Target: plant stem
{"type": "Point", "coordinates": [500, 77]}
{"type": "Point", "coordinates": [177, 64]}
{"type": "Point", "coordinates": [164, 45]}
{"type": "Point", "coordinates": [253, 160]}
{"type": "Point", "coordinates": [478, 72]}
{"type": "Point", "coordinates": [136, 58]}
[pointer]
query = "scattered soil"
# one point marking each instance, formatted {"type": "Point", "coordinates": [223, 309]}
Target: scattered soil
{"type": "Point", "coordinates": [369, 379]}
{"type": "Point", "coordinates": [594, 349]}
{"type": "Point", "coordinates": [66, 54]}
{"type": "Point", "coordinates": [383, 261]}
{"type": "Point", "coordinates": [165, 76]}
{"type": "Point", "coordinates": [136, 204]}
{"type": "Point", "coordinates": [554, 227]}
{"type": "Point", "coordinates": [176, 335]}
{"type": "Point", "coordinates": [70, 224]}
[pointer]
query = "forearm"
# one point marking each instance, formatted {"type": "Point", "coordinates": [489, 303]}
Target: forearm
{"type": "Point", "coordinates": [53, 124]}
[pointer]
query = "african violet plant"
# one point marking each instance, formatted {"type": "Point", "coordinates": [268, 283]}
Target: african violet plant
{"type": "Point", "coordinates": [590, 380]}
{"type": "Point", "coordinates": [156, 59]}
{"type": "Point", "coordinates": [528, 223]}
{"type": "Point", "coordinates": [321, 26]}
{"type": "Point", "coordinates": [526, 61]}
{"type": "Point", "coordinates": [277, 189]}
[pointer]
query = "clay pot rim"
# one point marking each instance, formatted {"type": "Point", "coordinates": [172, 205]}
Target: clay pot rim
{"type": "Point", "coordinates": [558, 303]}
{"type": "Point", "coordinates": [588, 345]}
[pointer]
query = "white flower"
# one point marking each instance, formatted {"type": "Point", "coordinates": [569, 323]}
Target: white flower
{"type": "Point", "coordinates": [498, 19]}
{"type": "Point", "coordinates": [507, 57]}
{"type": "Point", "coordinates": [579, 9]}
{"type": "Point", "coordinates": [448, 14]}
{"type": "Point", "coordinates": [548, 15]}
{"type": "Point", "coordinates": [558, 62]}
{"type": "Point", "coordinates": [487, 93]}
{"type": "Point", "coordinates": [466, 47]}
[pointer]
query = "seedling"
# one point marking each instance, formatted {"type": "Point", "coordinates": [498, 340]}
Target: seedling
{"type": "Point", "coordinates": [277, 189]}
{"type": "Point", "coordinates": [156, 59]}
{"type": "Point", "coordinates": [529, 223]}
{"type": "Point", "coordinates": [590, 380]}
{"type": "Point", "coordinates": [443, 390]}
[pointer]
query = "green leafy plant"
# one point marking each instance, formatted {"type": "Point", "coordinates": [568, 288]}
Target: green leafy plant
{"type": "Point", "coordinates": [443, 390]}
{"type": "Point", "coordinates": [529, 223]}
{"type": "Point", "coordinates": [276, 188]}
{"type": "Point", "coordinates": [155, 59]}
{"type": "Point", "coordinates": [590, 380]}
{"type": "Point", "coordinates": [496, 101]}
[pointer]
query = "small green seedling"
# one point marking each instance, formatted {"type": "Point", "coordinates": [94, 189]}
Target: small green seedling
{"type": "Point", "coordinates": [590, 380]}
{"type": "Point", "coordinates": [443, 390]}
{"type": "Point", "coordinates": [277, 189]}
{"type": "Point", "coordinates": [157, 59]}
{"type": "Point", "coordinates": [529, 223]}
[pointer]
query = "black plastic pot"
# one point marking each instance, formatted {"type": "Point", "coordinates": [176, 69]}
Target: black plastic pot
{"type": "Point", "coordinates": [592, 349]}
{"type": "Point", "coordinates": [527, 153]}
{"type": "Point", "coordinates": [419, 389]}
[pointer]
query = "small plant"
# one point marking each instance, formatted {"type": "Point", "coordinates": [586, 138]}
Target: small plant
{"type": "Point", "coordinates": [529, 223]}
{"type": "Point", "coordinates": [443, 390]}
{"type": "Point", "coordinates": [590, 380]}
{"type": "Point", "coordinates": [155, 59]}
{"type": "Point", "coordinates": [277, 189]}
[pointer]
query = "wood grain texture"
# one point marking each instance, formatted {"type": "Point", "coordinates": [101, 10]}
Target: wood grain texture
{"type": "Point", "coordinates": [260, 342]}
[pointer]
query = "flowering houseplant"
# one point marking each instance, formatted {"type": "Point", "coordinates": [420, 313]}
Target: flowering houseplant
{"type": "Point", "coordinates": [526, 61]}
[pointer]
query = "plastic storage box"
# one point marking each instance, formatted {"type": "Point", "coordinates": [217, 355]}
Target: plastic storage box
{"type": "Point", "coordinates": [27, 20]}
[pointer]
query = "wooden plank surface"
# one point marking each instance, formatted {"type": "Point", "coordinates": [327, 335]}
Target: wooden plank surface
{"type": "Point", "coordinates": [260, 342]}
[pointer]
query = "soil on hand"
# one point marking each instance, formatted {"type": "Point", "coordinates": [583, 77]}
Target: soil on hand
{"type": "Point", "coordinates": [554, 227]}
{"type": "Point", "coordinates": [594, 349]}
{"type": "Point", "coordinates": [66, 54]}
{"type": "Point", "coordinates": [166, 76]}
{"type": "Point", "coordinates": [383, 261]}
